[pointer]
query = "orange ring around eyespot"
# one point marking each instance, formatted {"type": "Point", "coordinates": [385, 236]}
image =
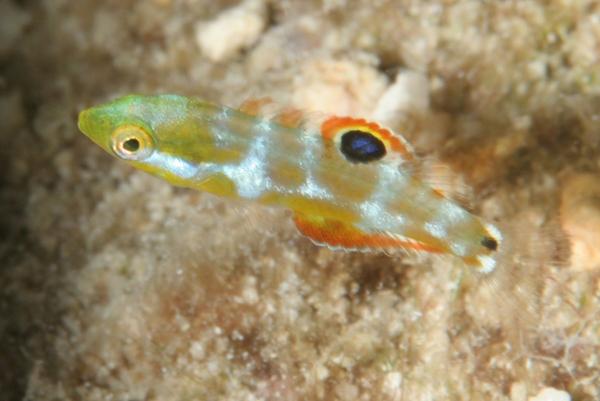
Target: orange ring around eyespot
{"type": "Point", "coordinates": [334, 126]}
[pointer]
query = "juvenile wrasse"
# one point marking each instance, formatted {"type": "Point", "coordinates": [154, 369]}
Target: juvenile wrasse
{"type": "Point", "coordinates": [350, 183]}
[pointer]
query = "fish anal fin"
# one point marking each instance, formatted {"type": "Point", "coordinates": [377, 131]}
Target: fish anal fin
{"type": "Point", "coordinates": [337, 234]}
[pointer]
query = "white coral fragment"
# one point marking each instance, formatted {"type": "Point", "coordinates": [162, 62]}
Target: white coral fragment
{"type": "Point", "coordinates": [233, 30]}
{"type": "Point", "coordinates": [551, 394]}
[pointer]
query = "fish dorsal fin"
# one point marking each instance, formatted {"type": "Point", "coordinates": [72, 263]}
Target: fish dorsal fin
{"type": "Point", "coordinates": [289, 117]}
{"type": "Point", "coordinates": [331, 127]}
{"type": "Point", "coordinates": [397, 150]}
{"type": "Point", "coordinates": [256, 106]}
{"type": "Point", "coordinates": [433, 173]}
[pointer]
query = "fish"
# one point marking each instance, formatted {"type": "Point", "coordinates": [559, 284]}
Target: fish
{"type": "Point", "coordinates": [351, 184]}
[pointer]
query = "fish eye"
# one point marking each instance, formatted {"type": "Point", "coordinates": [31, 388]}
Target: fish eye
{"type": "Point", "coordinates": [132, 143]}
{"type": "Point", "coordinates": [361, 146]}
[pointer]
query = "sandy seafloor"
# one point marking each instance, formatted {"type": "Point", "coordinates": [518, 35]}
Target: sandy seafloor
{"type": "Point", "coordinates": [117, 286]}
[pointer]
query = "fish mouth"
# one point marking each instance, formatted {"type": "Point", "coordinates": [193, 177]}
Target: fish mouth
{"type": "Point", "coordinates": [90, 125]}
{"type": "Point", "coordinates": [83, 122]}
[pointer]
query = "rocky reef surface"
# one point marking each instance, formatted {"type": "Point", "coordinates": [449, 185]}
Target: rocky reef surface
{"type": "Point", "coordinates": [117, 286]}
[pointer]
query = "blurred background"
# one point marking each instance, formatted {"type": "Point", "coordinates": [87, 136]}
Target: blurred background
{"type": "Point", "coordinates": [117, 286]}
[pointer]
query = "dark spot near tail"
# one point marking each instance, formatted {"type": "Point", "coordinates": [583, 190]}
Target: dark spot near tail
{"type": "Point", "coordinates": [490, 243]}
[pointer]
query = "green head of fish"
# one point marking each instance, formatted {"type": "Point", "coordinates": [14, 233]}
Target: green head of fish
{"type": "Point", "coordinates": [168, 136]}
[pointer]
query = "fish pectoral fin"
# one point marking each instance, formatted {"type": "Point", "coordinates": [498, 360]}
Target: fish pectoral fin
{"type": "Point", "coordinates": [340, 235]}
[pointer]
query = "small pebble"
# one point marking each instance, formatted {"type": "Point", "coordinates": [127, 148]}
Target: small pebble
{"type": "Point", "coordinates": [235, 29]}
{"type": "Point", "coordinates": [409, 93]}
{"type": "Point", "coordinates": [551, 394]}
{"type": "Point", "coordinates": [580, 218]}
{"type": "Point", "coordinates": [346, 391]}
{"type": "Point", "coordinates": [338, 87]}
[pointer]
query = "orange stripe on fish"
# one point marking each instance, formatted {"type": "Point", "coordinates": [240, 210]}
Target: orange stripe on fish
{"type": "Point", "coordinates": [337, 234]}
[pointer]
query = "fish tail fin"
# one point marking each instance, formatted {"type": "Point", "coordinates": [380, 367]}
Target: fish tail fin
{"type": "Point", "coordinates": [517, 293]}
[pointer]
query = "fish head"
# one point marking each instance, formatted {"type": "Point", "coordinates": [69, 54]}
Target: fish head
{"type": "Point", "coordinates": [164, 135]}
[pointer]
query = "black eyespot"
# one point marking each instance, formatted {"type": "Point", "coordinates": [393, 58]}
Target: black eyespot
{"type": "Point", "coordinates": [362, 147]}
{"type": "Point", "coordinates": [490, 243]}
{"type": "Point", "coordinates": [131, 145]}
